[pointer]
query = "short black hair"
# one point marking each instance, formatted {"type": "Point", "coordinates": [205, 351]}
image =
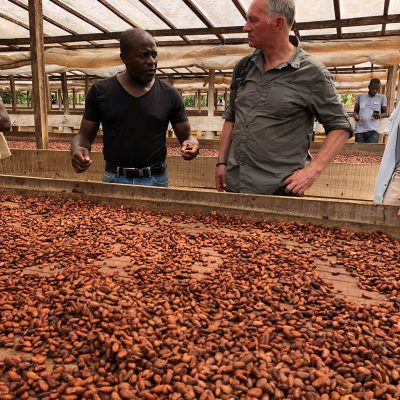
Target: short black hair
{"type": "Point", "coordinates": [374, 81]}
{"type": "Point", "coordinates": [130, 37]}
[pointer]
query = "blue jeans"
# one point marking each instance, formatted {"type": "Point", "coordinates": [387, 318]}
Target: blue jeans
{"type": "Point", "coordinates": [367, 137]}
{"type": "Point", "coordinates": [156, 180]}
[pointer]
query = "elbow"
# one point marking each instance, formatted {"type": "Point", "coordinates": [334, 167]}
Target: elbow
{"type": "Point", "coordinates": [5, 125]}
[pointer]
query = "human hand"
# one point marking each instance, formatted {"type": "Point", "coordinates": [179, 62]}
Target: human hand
{"type": "Point", "coordinates": [80, 159]}
{"type": "Point", "coordinates": [220, 178]}
{"type": "Point", "coordinates": [376, 115]}
{"type": "Point", "coordinates": [189, 150]}
{"type": "Point", "coordinates": [301, 180]}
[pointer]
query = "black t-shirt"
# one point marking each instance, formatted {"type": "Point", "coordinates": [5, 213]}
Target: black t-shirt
{"type": "Point", "coordinates": [134, 128]}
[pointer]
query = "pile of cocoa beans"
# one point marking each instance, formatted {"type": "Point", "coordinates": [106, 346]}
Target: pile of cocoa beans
{"type": "Point", "coordinates": [101, 302]}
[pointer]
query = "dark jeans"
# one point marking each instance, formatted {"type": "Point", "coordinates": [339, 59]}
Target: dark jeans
{"type": "Point", "coordinates": [367, 137]}
{"type": "Point", "coordinates": [157, 180]}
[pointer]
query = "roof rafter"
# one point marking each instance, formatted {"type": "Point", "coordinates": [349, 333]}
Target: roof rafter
{"type": "Point", "coordinates": [202, 17]}
{"type": "Point", "coordinates": [118, 13]}
{"type": "Point", "coordinates": [162, 17]}
{"type": "Point", "coordinates": [79, 15]}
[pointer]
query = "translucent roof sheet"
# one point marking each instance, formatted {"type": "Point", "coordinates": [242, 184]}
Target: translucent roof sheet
{"type": "Point", "coordinates": [63, 17]}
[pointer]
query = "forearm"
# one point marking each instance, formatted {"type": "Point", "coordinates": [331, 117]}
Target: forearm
{"type": "Point", "coordinates": [225, 143]}
{"type": "Point", "coordinates": [81, 141]}
{"type": "Point", "coordinates": [331, 147]}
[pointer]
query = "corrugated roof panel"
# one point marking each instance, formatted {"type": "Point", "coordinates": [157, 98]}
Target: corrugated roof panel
{"type": "Point", "coordinates": [394, 7]}
{"type": "Point", "coordinates": [67, 19]}
{"type": "Point", "coordinates": [321, 10]}
{"type": "Point", "coordinates": [315, 32]}
{"type": "Point", "coordinates": [393, 27]}
{"type": "Point", "coordinates": [364, 28]}
{"type": "Point", "coordinates": [9, 30]}
{"type": "Point", "coordinates": [139, 14]}
{"type": "Point", "coordinates": [220, 12]}
{"type": "Point", "coordinates": [98, 13]}
{"type": "Point", "coordinates": [354, 9]}
{"type": "Point", "coordinates": [178, 13]}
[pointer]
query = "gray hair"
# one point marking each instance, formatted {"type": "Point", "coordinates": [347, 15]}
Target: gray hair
{"type": "Point", "coordinates": [284, 8]}
{"type": "Point", "coordinates": [131, 37]}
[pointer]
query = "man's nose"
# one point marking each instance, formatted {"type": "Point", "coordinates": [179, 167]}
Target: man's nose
{"type": "Point", "coordinates": [246, 27]}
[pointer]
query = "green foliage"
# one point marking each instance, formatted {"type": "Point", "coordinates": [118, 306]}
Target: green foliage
{"type": "Point", "coordinates": [348, 100]}
{"type": "Point", "coordinates": [21, 97]}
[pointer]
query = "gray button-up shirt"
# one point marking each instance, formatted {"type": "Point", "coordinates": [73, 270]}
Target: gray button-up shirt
{"type": "Point", "coordinates": [273, 118]}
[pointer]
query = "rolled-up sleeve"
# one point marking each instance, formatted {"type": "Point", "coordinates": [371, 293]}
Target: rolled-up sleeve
{"type": "Point", "coordinates": [325, 105]}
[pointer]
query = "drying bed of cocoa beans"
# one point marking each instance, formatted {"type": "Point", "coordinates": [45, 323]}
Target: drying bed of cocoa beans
{"type": "Point", "coordinates": [101, 302]}
{"type": "Point", "coordinates": [174, 151]}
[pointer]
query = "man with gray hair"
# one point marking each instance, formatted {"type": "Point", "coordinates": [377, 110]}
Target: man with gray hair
{"type": "Point", "coordinates": [276, 93]}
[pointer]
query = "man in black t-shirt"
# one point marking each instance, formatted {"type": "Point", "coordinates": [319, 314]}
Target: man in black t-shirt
{"type": "Point", "coordinates": [134, 109]}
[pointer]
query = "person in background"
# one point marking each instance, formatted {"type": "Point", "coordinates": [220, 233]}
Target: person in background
{"type": "Point", "coordinates": [387, 189]}
{"type": "Point", "coordinates": [269, 122]}
{"type": "Point", "coordinates": [5, 122]}
{"type": "Point", "coordinates": [134, 109]}
{"type": "Point", "coordinates": [368, 110]}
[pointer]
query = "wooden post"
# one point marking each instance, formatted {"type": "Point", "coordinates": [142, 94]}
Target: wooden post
{"type": "Point", "coordinates": [28, 99]}
{"type": "Point", "coordinates": [38, 73]}
{"type": "Point", "coordinates": [59, 98]}
{"type": "Point", "coordinates": [211, 89]}
{"type": "Point", "coordinates": [199, 100]}
{"type": "Point", "coordinates": [226, 97]}
{"type": "Point", "coordinates": [48, 94]}
{"type": "Point", "coordinates": [86, 84]}
{"type": "Point", "coordinates": [391, 87]}
{"type": "Point", "coordinates": [211, 101]}
{"type": "Point", "coordinates": [171, 80]}
{"type": "Point", "coordinates": [13, 94]}
{"type": "Point", "coordinates": [64, 88]}
{"type": "Point", "coordinates": [73, 98]}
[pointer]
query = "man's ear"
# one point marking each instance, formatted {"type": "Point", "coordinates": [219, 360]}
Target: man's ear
{"type": "Point", "coordinates": [123, 57]}
{"type": "Point", "coordinates": [279, 23]}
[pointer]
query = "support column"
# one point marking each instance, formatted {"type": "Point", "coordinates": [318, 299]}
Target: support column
{"type": "Point", "coordinates": [86, 85]}
{"type": "Point", "coordinates": [73, 98]}
{"type": "Point", "coordinates": [211, 101]}
{"type": "Point", "coordinates": [199, 100]}
{"type": "Point", "coordinates": [391, 87]}
{"type": "Point", "coordinates": [38, 73]}
{"type": "Point", "coordinates": [64, 89]}
{"type": "Point", "coordinates": [13, 94]}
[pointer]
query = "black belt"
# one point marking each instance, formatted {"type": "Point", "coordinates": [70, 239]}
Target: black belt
{"type": "Point", "coordinates": [136, 172]}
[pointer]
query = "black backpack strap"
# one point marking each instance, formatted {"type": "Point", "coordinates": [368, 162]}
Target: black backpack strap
{"type": "Point", "coordinates": [239, 76]}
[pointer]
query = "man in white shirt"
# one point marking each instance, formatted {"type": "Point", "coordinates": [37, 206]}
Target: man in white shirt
{"type": "Point", "coordinates": [368, 110]}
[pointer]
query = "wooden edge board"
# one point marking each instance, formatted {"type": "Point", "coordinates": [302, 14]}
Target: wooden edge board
{"type": "Point", "coordinates": [352, 215]}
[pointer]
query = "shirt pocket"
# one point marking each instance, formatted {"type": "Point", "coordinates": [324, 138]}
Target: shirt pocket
{"type": "Point", "coordinates": [279, 101]}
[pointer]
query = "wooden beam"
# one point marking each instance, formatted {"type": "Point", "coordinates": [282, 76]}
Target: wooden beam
{"type": "Point", "coordinates": [38, 73]}
{"type": "Point", "coordinates": [391, 87]}
{"type": "Point", "coordinates": [385, 12]}
{"type": "Point", "coordinates": [211, 90]}
{"type": "Point", "coordinates": [202, 17]}
{"type": "Point", "coordinates": [336, 5]}
{"type": "Point", "coordinates": [13, 94]}
{"type": "Point", "coordinates": [64, 88]}
{"type": "Point", "coordinates": [73, 98]}
{"type": "Point", "coordinates": [240, 8]}
{"type": "Point", "coordinates": [79, 15]}
{"type": "Point", "coordinates": [304, 26]}
{"type": "Point", "coordinates": [198, 100]}
{"type": "Point", "coordinates": [118, 13]}
{"type": "Point", "coordinates": [166, 21]}
{"type": "Point", "coordinates": [51, 21]}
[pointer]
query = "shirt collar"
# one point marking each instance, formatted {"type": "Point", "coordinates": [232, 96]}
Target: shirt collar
{"type": "Point", "coordinates": [294, 61]}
